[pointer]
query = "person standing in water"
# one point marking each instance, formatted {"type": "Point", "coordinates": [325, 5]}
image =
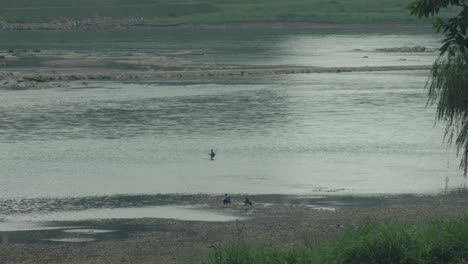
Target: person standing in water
{"type": "Point", "coordinates": [247, 201]}
{"type": "Point", "coordinates": [226, 199]}
{"type": "Point", "coordinates": [212, 154]}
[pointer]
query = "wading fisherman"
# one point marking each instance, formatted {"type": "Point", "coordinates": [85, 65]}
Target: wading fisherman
{"type": "Point", "coordinates": [212, 154]}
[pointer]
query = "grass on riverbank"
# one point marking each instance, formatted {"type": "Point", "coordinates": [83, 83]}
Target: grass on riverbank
{"type": "Point", "coordinates": [433, 242]}
{"type": "Point", "coordinates": [206, 11]}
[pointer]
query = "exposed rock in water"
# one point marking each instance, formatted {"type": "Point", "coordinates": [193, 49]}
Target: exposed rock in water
{"type": "Point", "coordinates": [18, 84]}
{"type": "Point", "coordinates": [403, 49]}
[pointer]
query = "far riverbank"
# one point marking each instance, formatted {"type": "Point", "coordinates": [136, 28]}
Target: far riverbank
{"type": "Point", "coordinates": [107, 24]}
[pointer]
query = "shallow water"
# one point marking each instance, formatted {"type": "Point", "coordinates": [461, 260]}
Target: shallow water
{"type": "Point", "coordinates": [309, 47]}
{"type": "Point", "coordinates": [42, 221]}
{"type": "Point", "coordinates": [340, 133]}
{"type": "Point", "coordinates": [88, 231]}
{"type": "Point", "coordinates": [71, 240]}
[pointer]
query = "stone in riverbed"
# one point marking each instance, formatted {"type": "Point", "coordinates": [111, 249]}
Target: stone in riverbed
{"type": "Point", "coordinates": [18, 84]}
{"type": "Point", "coordinates": [403, 49]}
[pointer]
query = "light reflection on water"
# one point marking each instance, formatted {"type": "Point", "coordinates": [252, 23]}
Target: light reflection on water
{"type": "Point", "coordinates": [358, 50]}
{"type": "Point", "coordinates": [38, 221]}
{"type": "Point", "coordinates": [71, 240]}
{"type": "Point", "coordinates": [329, 47]}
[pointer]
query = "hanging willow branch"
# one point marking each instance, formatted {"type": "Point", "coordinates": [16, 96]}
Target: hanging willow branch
{"type": "Point", "coordinates": [448, 85]}
{"type": "Point", "coordinates": [448, 88]}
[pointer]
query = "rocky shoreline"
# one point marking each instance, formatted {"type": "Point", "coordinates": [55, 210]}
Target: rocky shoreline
{"type": "Point", "coordinates": [280, 223]}
{"type": "Point", "coordinates": [29, 69]}
{"type": "Point", "coordinates": [55, 68]}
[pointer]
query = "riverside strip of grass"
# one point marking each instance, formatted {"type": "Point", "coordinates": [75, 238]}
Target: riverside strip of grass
{"type": "Point", "coordinates": [209, 11]}
{"type": "Point", "coordinates": [373, 243]}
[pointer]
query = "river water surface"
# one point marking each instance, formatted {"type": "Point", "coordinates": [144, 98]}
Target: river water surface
{"type": "Point", "coordinates": [340, 133]}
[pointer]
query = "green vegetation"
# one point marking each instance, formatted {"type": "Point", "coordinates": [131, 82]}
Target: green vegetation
{"type": "Point", "coordinates": [448, 87]}
{"type": "Point", "coordinates": [434, 242]}
{"type": "Point", "coordinates": [209, 11]}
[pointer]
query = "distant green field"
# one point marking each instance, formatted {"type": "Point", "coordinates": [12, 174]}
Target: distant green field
{"type": "Point", "coordinates": [214, 11]}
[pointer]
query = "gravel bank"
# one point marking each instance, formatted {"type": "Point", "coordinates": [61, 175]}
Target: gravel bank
{"type": "Point", "coordinates": [279, 222]}
{"type": "Point", "coordinates": [36, 69]}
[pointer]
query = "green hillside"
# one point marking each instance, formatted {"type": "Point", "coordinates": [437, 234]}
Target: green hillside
{"type": "Point", "coordinates": [206, 11]}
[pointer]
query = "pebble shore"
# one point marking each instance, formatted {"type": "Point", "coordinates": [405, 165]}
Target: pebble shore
{"type": "Point", "coordinates": [279, 224]}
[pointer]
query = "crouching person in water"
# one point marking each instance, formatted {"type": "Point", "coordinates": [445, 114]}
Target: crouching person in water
{"type": "Point", "coordinates": [226, 199]}
{"type": "Point", "coordinates": [212, 154]}
{"type": "Point", "coordinates": [247, 201]}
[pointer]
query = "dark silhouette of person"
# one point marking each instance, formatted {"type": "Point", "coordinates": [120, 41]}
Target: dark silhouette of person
{"type": "Point", "coordinates": [212, 154]}
{"type": "Point", "coordinates": [247, 201]}
{"type": "Point", "coordinates": [227, 199]}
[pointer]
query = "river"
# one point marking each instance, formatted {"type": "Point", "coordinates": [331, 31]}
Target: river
{"type": "Point", "coordinates": [340, 133]}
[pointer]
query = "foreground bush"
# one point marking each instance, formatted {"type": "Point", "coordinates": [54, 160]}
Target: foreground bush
{"type": "Point", "coordinates": [434, 242]}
